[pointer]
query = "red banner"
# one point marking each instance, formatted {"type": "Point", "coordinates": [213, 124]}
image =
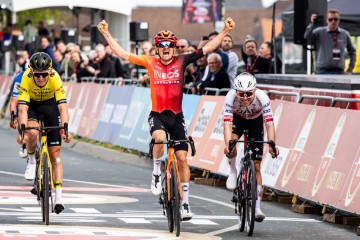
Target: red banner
{"type": "Point", "coordinates": [201, 11]}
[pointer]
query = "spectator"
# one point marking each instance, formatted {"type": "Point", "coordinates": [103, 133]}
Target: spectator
{"type": "Point", "coordinates": [330, 42]}
{"type": "Point", "coordinates": [253, 62]}
{"type": "Point", "coordinates": [58, 57]}
{"type": "Point", "coordinates": [224, 56]}
{"type": "Point", "coordinates": [145, 47]}
{"type": "Point", "coordinates": [48, 48]}
{"type": "Point", "coordinates": [60, 45]}
{"type": "Point", "coordinates": [79, 67]}
{"type": "Point", "coordinates": [192, 48]}
{"type": "Point", "coordinates": [67, 65]}
{"type": "Point", "coordinates": [29, 36]}
{"type": "Point", "coordinates": [201, 67]}
{"type": "Point", "coordinates": [42, 30]}
{"type": "Point", "coordinates": [105, 63]}
{"type": "Point", "coordinates": [227, 46]}
{"type": "Point", "coordinates": [182, 46]}
{"type": "Point", "coordinates": [265, 52]}
{"type": "Point", "coordinates": [218, 77]}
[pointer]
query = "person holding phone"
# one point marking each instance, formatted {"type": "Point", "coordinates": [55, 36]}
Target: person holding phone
{"type": "Point", "coordinates": [331, 42]}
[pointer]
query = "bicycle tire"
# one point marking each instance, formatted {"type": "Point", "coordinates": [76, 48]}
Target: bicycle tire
{"type": "Point", "coordinates": [168, 204]}
{"type": "Point", "coordinates": [45, 189]}
{"type": "Point", "coordinates": [251, 197]}
{"type": "Point", "coordinates": [175, 199]}
{"type": "Point", "coordinates": [241, 202]}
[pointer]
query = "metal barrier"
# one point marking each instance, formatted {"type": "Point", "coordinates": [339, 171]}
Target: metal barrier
{"type": "Point", "coordinates": [214, 90]}
{"type": "Point", "coordinates": [348, 100]}
{"type": "Point", "coordinates": [316, 98]}
{"type": "Point", "coordinates": [283, 94]}
{"type": "Point", "coordinates": [222, 90]}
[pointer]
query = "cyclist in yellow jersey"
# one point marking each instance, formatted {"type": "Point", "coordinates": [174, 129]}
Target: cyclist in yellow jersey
{"type": "Point", "coordinates": [42, 93]}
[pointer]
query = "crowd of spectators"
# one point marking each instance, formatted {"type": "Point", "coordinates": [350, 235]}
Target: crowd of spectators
{"type": "Point", "coordinates": [216, 70]}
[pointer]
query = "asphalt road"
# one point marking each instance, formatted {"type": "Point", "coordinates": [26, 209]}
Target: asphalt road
{"type": "Point", "coordinates": [111, 199]}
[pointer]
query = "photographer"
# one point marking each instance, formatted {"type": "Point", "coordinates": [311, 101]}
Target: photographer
{"type": "Point", "coordinates": [331, 42]}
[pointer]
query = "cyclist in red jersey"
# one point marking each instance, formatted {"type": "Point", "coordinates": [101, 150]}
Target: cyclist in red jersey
{"type": "Point", "coordinates": [166, 86]}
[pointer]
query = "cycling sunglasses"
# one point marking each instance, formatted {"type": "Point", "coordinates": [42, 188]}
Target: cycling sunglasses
{"type": "Point", "coordinates": [245, 94]}
{"type": "Point", "coordinates": [41, 74]}
{"type": "Point", "coordinates": [164, 44]}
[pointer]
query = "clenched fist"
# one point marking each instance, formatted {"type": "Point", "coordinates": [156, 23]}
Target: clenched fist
{"type": "Point", "coordinates": [229, 23]}
{"type": "Point", "coordinates": [103, 27]}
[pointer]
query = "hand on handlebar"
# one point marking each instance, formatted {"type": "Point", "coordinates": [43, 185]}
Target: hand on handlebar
{"type": "Point", "coordinates": [63, 136]}
{"type": "Point", "coordinates": [272, 153]}
{"type": "Point", "coordinates": [13, 123]}
{"type": "Point", "coordinates": [21, 140]}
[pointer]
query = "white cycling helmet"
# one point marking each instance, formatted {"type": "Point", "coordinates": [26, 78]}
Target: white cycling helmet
{"type": "Point", "coordinates": [245, 82]}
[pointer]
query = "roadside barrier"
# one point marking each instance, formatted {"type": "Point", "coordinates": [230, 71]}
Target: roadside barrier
{"type": "Point", "coordinates": [319, 148]}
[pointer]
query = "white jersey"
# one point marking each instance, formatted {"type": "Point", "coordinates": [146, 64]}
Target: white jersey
{"type": "Point", "coordinates": [259, 105]}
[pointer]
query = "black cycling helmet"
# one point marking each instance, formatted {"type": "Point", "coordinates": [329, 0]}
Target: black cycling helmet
{"type": "Point", "coordinates": [40, 61]}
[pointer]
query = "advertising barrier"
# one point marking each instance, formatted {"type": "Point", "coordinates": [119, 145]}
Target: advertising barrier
{"type": "Point", "coordinates": [319, 146]}
{"type": "Point", "coordinates": [113, 113]}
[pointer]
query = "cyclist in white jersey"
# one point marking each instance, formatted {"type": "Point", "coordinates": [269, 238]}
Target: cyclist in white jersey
{"type": "Point", "coordinates": [247, 107]}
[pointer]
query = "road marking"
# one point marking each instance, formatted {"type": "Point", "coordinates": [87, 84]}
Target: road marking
{"type": "Point", "coordinates": [84, 210]}
{"type": "Point", "coordinates": [134, 220]}
{"type": "Point", "coordinates": [90, 233]}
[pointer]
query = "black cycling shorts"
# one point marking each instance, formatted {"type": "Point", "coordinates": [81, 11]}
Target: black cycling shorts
{"type": "Point", "coordinates": [256, 130]}
{"type": "Point", "coordinates": [49, 109]}
{"type": "Point", "coordinates": [170, 123]}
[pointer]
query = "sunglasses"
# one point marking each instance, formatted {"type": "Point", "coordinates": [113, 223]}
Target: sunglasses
{"type": "Point", "coordinates": [333, 19]}
{"type": "Point", "coordinates": [41, 74]}
{"type": "Point", "coordinates": [164, 44]}
{"type": "Point", "coordinates": [245, 94]}
{"type": "Point", "coordinates": [180, 47]}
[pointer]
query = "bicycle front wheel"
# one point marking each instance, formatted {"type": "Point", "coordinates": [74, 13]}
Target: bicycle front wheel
{"type": "Point", "coordinates": [176, 199]}
{"type": "Point", "coordinates": [241, 202]}
{"type": "Point", "coordinates": [45, 189]}
{"type": "Point", "coordinates": [251, 197]}
{"type": "Point", "coordinates": [167, 203]}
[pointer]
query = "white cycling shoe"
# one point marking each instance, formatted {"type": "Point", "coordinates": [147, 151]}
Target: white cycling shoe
{"type": "Point", "coordinates": [231, 181]}
{"type": "Point", "coordinates": [259, 215]}
{"type": "Point", "coordinates": [30, 171]}
{"type": "Point", "coordinates": [186, 214]}
{"type": "Point", "coordinates": [156, 184]}
{"type": "Point", "coordinates": [23, 152]}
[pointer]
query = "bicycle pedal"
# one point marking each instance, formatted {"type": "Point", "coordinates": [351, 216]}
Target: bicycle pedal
{"type": "Point", "coordinates": [33, 191]}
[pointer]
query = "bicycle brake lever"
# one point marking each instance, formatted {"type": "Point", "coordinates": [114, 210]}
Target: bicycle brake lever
{"type": "Point", "coordinates": [192, 145]}
{"type": "Point", "coordinates": [272, 145]}
{"type": "Point", "coordinates": [22, 131]}
{"type": "Point", "coordinates": [66, 130]}
{"type": "Point", "coordinates": [151, 146]}
{"type": "Point", "coordinates": [232, 144]}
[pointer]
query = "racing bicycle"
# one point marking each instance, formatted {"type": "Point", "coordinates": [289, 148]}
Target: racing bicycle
{"type": "Point", "coordinates": [245, 192]}
{"type": "Point", "coordinates": [171, 194]}
{"type": "Point", "coordinates": [43, 182]}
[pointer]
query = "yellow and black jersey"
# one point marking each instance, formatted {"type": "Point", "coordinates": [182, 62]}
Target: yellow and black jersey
{"type": "Point", "coordinates": [30, 91]}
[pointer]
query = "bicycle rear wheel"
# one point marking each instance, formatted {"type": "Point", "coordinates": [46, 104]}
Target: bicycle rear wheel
{"type": "Point", "coordinates": [251, 197]}
{"type": "Point", "coordinates": [176, 199]}
{"type": "Point", "coordinates": [241, 202]}
{"type": "Point", "coordinates": [45, 189]}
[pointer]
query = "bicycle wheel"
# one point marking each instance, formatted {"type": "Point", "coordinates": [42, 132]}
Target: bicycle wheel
{"type": "Point", "coordinates": [175, 199]}
{"type": "Point", "coordinates": [45, 189]}
{"type": "Point", "coordinates": [169, 210]}
{"type": "Point", "coordinates": [251, 197]}
{"type": "Point", "coordinates": [241, 202]}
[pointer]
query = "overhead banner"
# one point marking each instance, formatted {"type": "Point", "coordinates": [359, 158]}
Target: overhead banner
{"type": "Point", "coordinates": [201, 11]}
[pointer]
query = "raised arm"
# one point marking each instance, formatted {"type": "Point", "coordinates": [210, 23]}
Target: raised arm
{"type": "Point", "coordinates": [215, 42]}
{"type": "Point", "coordinates": [115, 47]}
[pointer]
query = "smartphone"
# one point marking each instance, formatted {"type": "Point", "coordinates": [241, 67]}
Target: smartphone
{"type": "Point", "coordinates": [205, 38]}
